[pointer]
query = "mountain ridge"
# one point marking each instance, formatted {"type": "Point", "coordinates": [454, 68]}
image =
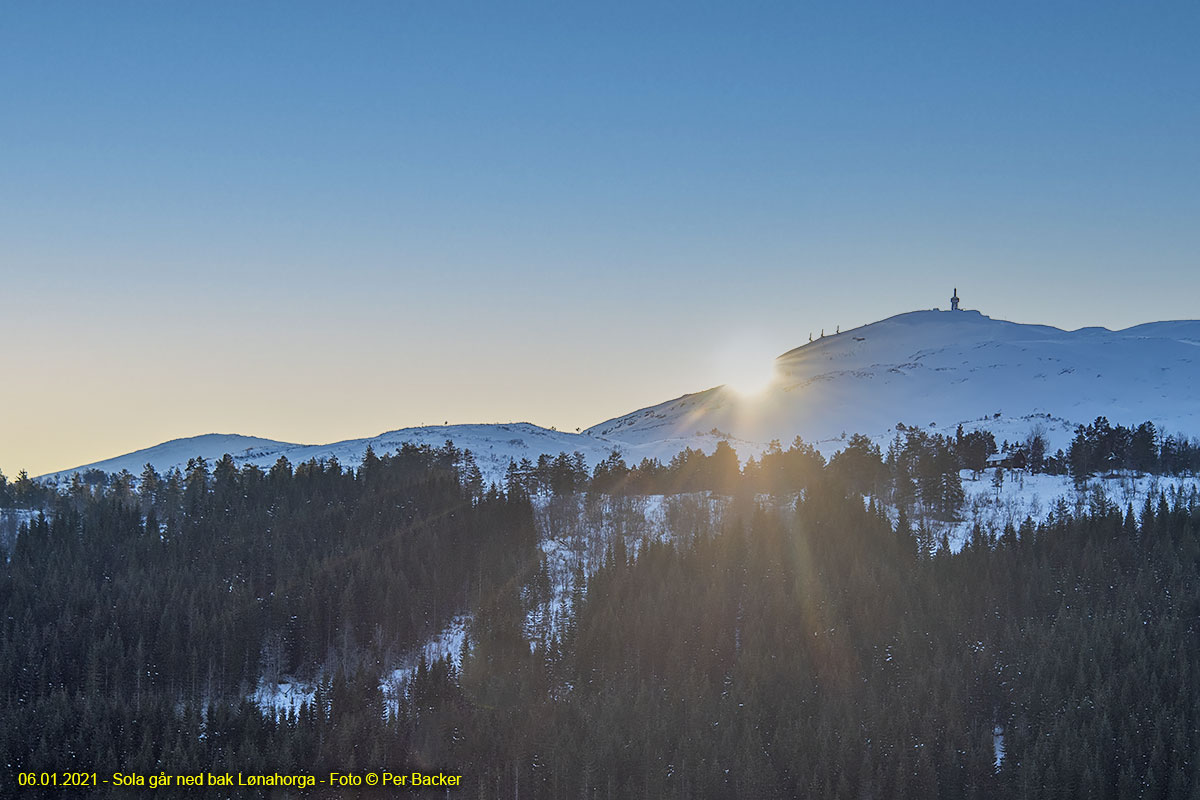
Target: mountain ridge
{"type": "Point", "coordinates": [929, 368]}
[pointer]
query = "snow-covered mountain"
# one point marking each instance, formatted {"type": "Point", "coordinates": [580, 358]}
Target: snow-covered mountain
{"type": "Point", "coordinates": [934, 369]}
{"type": "Point", "coordinates": [211, 446]}
{"type": "Point", "coordinates": [493, 446]}
{"type": "Point", "coordinates": [943, 368]}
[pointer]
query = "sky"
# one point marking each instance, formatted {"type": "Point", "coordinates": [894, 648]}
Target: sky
{"type": "Point", "coordinates": [316, 221]}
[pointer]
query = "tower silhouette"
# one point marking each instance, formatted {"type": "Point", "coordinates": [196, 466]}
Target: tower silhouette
{"type": "Point", "coordinates": [954, 300]}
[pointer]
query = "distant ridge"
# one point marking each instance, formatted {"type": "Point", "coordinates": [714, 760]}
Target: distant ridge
{"type": "Point", "coordinates": [493, 446]}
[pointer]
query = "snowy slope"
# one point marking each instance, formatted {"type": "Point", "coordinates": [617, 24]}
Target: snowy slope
{"type": "Point", "coordinates": [945, 368]}
{"type": "Point", "coordinates": [493, 446]}
{"type": "Point", "coordinates": [176, 453]}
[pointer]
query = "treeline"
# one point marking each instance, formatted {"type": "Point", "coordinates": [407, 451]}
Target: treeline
{"type": "Point", "coordinates": [1103, 447]}
{"type": "Point", "coordinates": [919, 470]}
{"type": "Point", "coordinates": [24, 492]}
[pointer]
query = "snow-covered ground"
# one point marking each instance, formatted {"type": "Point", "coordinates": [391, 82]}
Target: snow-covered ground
{"type": "Point", "coordinates": [283, 697]}
{"type": "Point", "coordinates": [447, 644]}
{"type": "Point", "coordinates": [1026, 496]}
{"type": "Point", "coordinates": [577, 532]}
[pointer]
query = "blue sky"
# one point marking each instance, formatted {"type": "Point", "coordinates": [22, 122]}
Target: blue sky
{"type": "Point", "coordinates": [313, 221]}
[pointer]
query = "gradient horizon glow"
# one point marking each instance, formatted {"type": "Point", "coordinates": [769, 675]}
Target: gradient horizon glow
{"type": "Point", "coordinates": [316, 221]}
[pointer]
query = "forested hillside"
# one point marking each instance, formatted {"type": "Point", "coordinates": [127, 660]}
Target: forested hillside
{"type": "Point", "coordinates": [813, 643]}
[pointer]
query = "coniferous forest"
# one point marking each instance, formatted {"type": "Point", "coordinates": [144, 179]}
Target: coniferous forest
{"type": "Point", "coordinates": [809, 643]}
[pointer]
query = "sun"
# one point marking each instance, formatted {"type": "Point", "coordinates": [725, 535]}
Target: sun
{"type": "Point", "coordinates": [752, 378]}
{"type": "Point", "coordinates": [746, 367]}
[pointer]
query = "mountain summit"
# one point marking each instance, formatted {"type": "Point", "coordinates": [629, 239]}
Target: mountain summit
{"type": "Point", "coordinates": [943, 368]}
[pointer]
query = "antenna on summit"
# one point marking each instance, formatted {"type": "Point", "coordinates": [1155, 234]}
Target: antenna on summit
{"type": "Point", "coordinates": [954, 300]}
